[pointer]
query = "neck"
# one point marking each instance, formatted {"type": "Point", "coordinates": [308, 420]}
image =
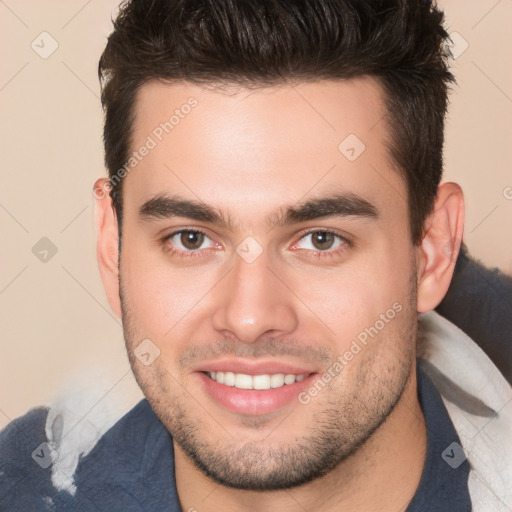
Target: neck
{"type": "Point", "coordinates": [382, 475]}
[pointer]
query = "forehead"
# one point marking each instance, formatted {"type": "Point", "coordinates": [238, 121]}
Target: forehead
{"type": "Point", "coordinates": [251, 149]}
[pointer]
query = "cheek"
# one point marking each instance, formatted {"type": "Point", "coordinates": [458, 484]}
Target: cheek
{"type": "Point", "coordinates": [163, 301]}
{"type": "Point", "coordinates": [148, 299]}
{"type": "Point", "coordinates": [352, 297]}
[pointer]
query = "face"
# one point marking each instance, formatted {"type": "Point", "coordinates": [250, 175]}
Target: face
{"type": "Point", "coordinates": [266, 255]}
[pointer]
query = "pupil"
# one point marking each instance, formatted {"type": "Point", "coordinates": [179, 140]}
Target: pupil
{"type": "Point", "coordinates": [192, 240]}
{"type": "Point", "coordinates": [323, 240]}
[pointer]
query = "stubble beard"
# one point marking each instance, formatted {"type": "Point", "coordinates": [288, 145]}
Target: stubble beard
{"type": "Point", "coordinates": [340, 426]}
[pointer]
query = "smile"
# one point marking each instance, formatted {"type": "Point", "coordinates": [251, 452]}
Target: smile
{"type": "Point", "coordinates": [256, 393]}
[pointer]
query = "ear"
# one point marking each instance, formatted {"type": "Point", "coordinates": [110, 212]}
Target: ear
{"type": "Point", "coordinates": [439, 248]}
{"type": "Point", "coordinates": [107, 248]}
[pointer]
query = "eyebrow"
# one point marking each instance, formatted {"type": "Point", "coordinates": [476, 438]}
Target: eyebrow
{"type": "Point", "coordinates": [336, 205]}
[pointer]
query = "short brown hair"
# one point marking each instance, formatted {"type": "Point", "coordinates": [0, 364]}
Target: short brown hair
{"type": "Point", "coordinates": [257, 43]}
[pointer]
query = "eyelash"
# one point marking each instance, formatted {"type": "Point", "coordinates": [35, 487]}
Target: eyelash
{"type": "Point", "coordinates": [347, 244]}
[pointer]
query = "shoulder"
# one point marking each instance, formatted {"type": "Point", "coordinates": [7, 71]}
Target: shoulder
{"type": "Point", "coordinates": [25, 478]}
{"type": "Point", "coordinates": [135, 450]}
{"type": "Point", "coordinates": [49, 460]}
{"type": "Point", "coordinates": [477, 397]}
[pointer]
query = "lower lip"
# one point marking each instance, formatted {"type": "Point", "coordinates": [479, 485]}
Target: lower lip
{"type": "Point", "coordinates": [254, 401]}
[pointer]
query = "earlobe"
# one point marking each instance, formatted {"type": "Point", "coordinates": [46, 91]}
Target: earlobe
{"type": "Point", "coordinates": [107, 248]}
{"type": "Point", "coordinates": [438, 251]}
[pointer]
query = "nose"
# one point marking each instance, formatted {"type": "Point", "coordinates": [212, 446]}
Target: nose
{"type": "Point", "coordinates": [253, 302]}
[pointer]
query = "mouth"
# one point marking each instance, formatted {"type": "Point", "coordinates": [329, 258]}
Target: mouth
{"type": "Point", "coordinates": [249, 388]}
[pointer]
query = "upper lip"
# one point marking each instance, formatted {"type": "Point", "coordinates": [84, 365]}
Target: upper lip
{"type": "Point", "coordinates": [249, 367]}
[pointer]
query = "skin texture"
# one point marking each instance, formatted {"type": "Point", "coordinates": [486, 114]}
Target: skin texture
{"type": "Point", "coordinates": [360, 443]}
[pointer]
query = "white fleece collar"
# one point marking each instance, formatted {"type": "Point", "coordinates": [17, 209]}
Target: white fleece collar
{"type": "Point", "coordinates": [482, 415]}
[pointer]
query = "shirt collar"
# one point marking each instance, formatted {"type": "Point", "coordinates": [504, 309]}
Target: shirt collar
{"type": "Point", "coordinates": [444, 482]}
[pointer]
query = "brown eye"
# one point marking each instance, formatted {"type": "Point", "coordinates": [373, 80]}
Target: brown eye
{"type": "Point", "coordinates": [326, 242]}
{"type": "Point", "coordinates": [322, 240]}
{"type": "Point", "coordinates": [189, 243]}
{"type": "Point", "coordinates": [191, 240]}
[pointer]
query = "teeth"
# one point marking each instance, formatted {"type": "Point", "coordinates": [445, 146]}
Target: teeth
{"type": "Point", "coordinates": [289, 379]}
{"type": "Point", "coordinates": [243, 381]}
{"type": "Point", "coordinates": [229, 379]}
{"type": "Point", "coordinates": [261, 382]}
{"type": "Point", "coordinates": [277, 380]}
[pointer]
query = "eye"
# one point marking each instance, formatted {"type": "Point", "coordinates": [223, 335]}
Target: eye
{"type": "Point", "coordinates": [322, 241]}
{"type": "Point", "coordinates": [188, 241]}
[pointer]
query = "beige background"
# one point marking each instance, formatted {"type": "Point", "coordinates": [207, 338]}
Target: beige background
{"type": "Point", "coordinates": [55, 320]}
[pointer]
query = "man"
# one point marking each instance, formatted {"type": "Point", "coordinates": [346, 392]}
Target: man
{"type": "Point", "coordinates": [271, 232]}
